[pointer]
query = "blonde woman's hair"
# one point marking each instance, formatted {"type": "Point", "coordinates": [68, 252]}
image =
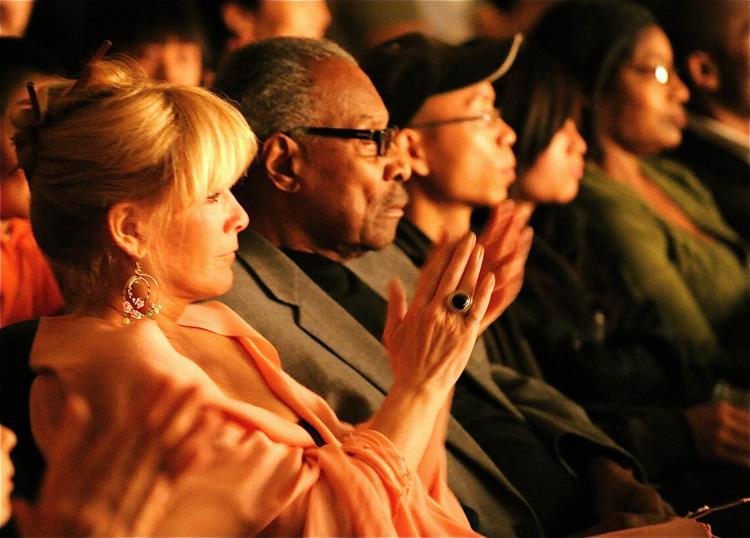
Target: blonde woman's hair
{"type": "Point", "coordinates": [120, 137]}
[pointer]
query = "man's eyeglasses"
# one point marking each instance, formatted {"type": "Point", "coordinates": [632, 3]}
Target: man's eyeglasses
{"type": "Point", "coordinates": [487, 117]}
{"type": "Point", "coordinates": [383, 138]}
{"type": "Point", "coordinates": [661, 73]}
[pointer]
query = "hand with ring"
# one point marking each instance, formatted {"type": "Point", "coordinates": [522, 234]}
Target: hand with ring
{"type": "Point", "coordinates": [430, 342]}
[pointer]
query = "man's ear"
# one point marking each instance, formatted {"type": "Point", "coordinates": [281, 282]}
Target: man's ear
{"type": "Point", "coordinates": [278, 155]}
{"type": "Point", "coordinates": [415, 149]}
{"type": "Point", "coordinates": [703, 71]}
{"type": "Point", "coordinates": [126, 224]}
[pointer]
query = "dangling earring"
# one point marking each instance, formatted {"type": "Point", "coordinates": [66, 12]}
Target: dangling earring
{"type": "Point", "coordinates": [134, 302]}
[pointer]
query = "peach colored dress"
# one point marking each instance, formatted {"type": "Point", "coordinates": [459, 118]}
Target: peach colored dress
{"type": "Point", "coordinates": [355, 484]}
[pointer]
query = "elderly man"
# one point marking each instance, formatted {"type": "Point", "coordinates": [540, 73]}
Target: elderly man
{"type": "Point", "coordinates": [325, 196]}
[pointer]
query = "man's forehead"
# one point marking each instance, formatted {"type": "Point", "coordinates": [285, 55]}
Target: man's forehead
{"type": "Point", "coordinates": [344, 93]}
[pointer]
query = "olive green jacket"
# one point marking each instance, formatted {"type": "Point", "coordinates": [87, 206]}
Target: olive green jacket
{"type": "Point", "coordinates": [700, 288]}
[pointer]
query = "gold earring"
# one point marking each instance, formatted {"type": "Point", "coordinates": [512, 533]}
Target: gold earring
{"type": "Point", "coordinates": [134, 303]}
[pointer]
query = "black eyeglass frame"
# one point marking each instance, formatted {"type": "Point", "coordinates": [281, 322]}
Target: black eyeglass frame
{"type": "Point", "coordinates": [487, 117]}
{"type": "Point", "coordinates": [383, 138]}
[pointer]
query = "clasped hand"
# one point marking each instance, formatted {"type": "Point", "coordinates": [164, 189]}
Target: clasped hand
{"type": "Point", "coordinates": [506, 240]}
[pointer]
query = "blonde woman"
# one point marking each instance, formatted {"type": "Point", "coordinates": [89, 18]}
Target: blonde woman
{"type": "Point", "coordinates": [130, 192]}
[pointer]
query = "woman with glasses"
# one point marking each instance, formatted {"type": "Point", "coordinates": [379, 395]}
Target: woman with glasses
{"type": "Point", "coordinates": [650, 218]}
{"type": "Point", "coordinates": [130, 187]}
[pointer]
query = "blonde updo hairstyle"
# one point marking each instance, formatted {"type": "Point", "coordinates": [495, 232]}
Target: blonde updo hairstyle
{"type": "Point", "coordinates": [120, 137]}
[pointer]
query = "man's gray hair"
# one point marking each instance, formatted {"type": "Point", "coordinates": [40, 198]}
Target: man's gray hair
{"type": "Point", "coordinates": [271, 81]}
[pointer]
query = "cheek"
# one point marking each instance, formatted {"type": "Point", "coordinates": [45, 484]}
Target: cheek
{"type": "Point", "coordinates": [551, 179]}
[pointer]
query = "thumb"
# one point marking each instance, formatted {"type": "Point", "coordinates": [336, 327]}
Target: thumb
{"type": "Point", "coordinates": [396, 308]}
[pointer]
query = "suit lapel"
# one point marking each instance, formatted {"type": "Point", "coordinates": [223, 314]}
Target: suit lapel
{"type": "Point", "coordinates": [317, 314]}
{"type": "Point", "coordinates": [327, 322]}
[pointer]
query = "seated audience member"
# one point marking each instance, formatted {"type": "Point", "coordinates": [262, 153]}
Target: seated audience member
{"type": "Point", "coordinates": [450, 183]}
{"type": "Point", "coordinates": [130, 199]}
{"type": "Point", "coordinates": [28, 288]}
{"type": "Point", "coordinates": [452, 180]}
{"type": "Point", "coordinates": [231, 24]}
{"type": "Point", "coordinates": [253, 20]}
{"type": "Point", "coordinates": [326, 195]}
{"type": "Point", "coordinates": [357, 26]}
{"type": "Point", "coordinates": [650, 217]}
{"type": "Point", "coordinates": [132, 467]}
{"type": "Point", "coordinates": [651, 396]}
{"type": "Point", "coordinates": [166, 38]}
{"type": "Point", "coordinates": [711, 39]}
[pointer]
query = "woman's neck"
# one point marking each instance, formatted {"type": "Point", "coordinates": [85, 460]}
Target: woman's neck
{"type": "Point", "coordinates": [620, 164]}
{"type": "Point", "coordinates": [437, 220]}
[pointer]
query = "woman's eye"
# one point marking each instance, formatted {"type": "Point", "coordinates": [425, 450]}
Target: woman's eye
{"type": "Point", "coordinates": [214, 196]}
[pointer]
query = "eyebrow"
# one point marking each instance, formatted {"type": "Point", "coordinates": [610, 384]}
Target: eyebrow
{"type": "Point", "coordinates": [658, 57]}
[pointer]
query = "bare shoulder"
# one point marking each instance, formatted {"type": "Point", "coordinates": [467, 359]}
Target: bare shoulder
{"type": "Point", "coordinates": [88, 351]}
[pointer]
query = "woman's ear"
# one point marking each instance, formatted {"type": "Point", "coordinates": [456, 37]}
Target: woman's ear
{"type": "Point", "coordinates": [278, 156]}
{"type": "Point", "coordinates": [127, 226]}
{"type": "Point", "coordinates": [416, 151]}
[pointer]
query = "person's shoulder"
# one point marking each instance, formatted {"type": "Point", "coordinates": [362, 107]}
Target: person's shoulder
{"type": "Point", "coordinates": [74, 342]}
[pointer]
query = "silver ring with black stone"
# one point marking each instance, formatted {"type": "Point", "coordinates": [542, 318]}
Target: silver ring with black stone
{"type": "Point", "coordinates": [460, 302]}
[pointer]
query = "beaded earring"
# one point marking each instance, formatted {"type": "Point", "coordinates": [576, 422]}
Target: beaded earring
{"type": "Point", "coordinates": [136, 296]}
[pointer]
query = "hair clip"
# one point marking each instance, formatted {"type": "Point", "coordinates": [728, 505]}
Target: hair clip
{"type": "Point", "coordinates": [34, 102]}
{"type": "Point", "coordinates": [86, 72]}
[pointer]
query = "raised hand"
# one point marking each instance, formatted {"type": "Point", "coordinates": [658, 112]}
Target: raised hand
{"type": "Point", "coordinates": [430, 343]}
{"type": "Point", "coordinates": [506, 240]}
{"type": "Point", "coordinates": [119, 482]}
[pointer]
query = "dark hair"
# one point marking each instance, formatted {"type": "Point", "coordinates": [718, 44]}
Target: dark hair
{"type": "Point", "coordinates": [131, 23]}
{"type": "Point", "coordinates": [592, 39]}
{"type": "Point", "coordinates": [271, 81]}
{"type": "Point", "coordinates": [21, 58]}
{"type": "Point", "coordinates": [536, 97]}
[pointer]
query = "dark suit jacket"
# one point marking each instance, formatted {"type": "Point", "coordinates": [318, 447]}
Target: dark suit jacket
{"type": "Point", "coordinates": [725, 171]}
{"type": "Point", "coordinates": [327, 350]}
